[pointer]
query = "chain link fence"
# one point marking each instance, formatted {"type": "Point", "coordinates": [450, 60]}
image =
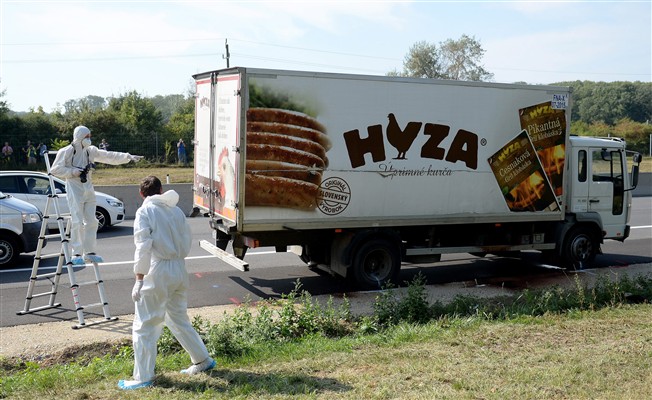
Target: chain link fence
{"type": "Point", "coordinates": [153, 147]}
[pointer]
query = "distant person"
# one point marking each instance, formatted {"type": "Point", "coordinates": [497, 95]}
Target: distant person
{"type": "Point", "coordinates": [24, 150]}
{"type": "Point", "coordinates": [75, 164]}
{"type": "Point", "coordinates": [31, 183]}
{"type": "Point", "coordinates": [163, 238]}
{"type": "Point", "coordinates": [181, 152]}
{"type": "Point", "coordinates": [32, 154]}
{"type": "Point", "coordinates": [7, 152]}
{"type": "Point", "coordinates": [104, 145]}
{"type": "Point", "coordinates": [42, 150]}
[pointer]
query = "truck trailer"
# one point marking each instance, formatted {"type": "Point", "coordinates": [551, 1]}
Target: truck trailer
{"type": "Point", "coordinates": [358, 174]}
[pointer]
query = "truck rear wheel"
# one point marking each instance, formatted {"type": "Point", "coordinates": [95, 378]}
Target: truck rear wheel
{"type": "Point", "coordinates": [580, 248]}
{"type": "Point", "coordinates": [376, 263]}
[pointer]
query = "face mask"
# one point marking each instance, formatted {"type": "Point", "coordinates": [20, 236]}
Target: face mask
{"type": "Point", "coordinates": [86, 142]}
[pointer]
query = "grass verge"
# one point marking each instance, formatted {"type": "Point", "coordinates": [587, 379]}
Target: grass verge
{"type": "Point", "coordinates": [108, 175]}
{"type": "Point", "coordinates": [579, 343]}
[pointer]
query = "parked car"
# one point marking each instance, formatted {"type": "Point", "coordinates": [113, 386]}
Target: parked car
{"type": "Point", "coordinates": [109, 211]}
{"type": "Point", "coordinates": [20, 226]}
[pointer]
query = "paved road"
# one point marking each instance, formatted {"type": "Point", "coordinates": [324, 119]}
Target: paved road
{"type": "Point", "coordinates": [273, 274]}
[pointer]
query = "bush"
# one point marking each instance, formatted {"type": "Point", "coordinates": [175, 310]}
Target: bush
{"type": "Point", "coordinates": [298, 315]}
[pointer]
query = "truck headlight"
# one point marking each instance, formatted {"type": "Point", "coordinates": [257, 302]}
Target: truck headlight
{"type": "Point", "coordinates": [30, 218]}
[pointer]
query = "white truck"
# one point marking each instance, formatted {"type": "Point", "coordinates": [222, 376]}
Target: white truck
{"type": "Point", "coordinates": [357, 174]}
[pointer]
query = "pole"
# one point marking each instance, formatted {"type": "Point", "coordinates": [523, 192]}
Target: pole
{"type": "Point", "coordinates": [228, 55]}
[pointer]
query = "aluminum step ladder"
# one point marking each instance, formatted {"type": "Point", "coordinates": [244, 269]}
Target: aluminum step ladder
{"type": "Point", "coordinates": [64, 222]}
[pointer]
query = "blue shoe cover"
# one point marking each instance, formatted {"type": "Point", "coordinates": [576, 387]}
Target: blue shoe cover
{"type": "Point", "coordinates": [77, 260]}
{"type": "Point", "coordinates": [203, 366]}
{"type": "Point", "coordinates": [131, 385]}
{"type": "Point", "coordinates": [93, 258]}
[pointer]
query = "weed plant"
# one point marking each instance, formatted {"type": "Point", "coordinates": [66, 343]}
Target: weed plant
{"type": "Point", "coordinates": [298, 315]}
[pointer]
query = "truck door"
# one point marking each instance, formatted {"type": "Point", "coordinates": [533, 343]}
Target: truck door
{"type": "Point", "coordinates": [606, 194]}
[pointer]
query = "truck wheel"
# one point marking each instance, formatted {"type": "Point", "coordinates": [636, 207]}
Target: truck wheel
{"type": "Point", "coordinates": [580, 248]}
{"type": "Point", "coordinates": [9, 251]}
{"type": "Point", "coordinates": [376, 263]}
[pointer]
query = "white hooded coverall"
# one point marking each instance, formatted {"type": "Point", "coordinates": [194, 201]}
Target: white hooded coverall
{"type": "Point", "coordinates": [162, 238]}
{"type": "Point", "coordinates": [81, 196]}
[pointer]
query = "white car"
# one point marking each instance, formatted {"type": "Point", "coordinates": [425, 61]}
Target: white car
{"type": "Point", "coordinates": [109, 211]}
{"type": "Point", "coordinates": [20, 226]}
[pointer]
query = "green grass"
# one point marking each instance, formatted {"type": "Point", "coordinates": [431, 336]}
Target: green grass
{"type": "Point", "coordinates": [584, 355]}
{"type": "Point", "coordinates": [589, 343]}
{"type": "Point", "coordinates": [107, 175]}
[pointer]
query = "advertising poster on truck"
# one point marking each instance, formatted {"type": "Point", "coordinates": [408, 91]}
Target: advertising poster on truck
{"type": "Point", "coordinates": [318, 148]}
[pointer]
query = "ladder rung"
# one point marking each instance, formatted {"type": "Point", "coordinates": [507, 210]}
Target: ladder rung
{"type": "Point", "coordinates": [91, 306]}
{"type": "Point", "coordinates": [48, 275]}
{"type": "Point", "coordinates": [80, 284]}
{"type": "Point", "coordinates": [50, 255]}
{"type": "Point", "coordinates": [34, 296]}
{"type": "Point", "coordinates": [62, 217]}
{"type": "Point", "coordinates": [53, 236]}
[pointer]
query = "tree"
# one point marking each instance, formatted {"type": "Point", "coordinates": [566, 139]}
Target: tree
{"type": "Point", "coordinates": [181, 126]}
{"type": "Point", "coordinates": [422, 61]}
{"type": "Point", "coordinates": [452, 59]}
{"type": "Point", "coordinates": [461, 60]}
{"type": "Point", "coordinates": [136, 114]}
{"type": "Point", "coordinates": [168, 105]}
{"type": "Point", "coordinates": [4, 107]}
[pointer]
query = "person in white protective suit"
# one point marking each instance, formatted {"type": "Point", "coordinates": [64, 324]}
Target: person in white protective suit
{"type": "Point", "coordinates": [162, 237]}
{"type": "Point", "coordinates": [74, 163]}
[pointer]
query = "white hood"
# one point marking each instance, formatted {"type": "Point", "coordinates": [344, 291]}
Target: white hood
{"type": "Point", "coordinates": [169, 198]}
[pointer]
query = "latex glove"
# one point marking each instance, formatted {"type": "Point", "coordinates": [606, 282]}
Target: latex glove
{"type": "Point", "coordinates": [135, 292]}
{"type": "Point", "coordinates": [76, 172]}
{"type": "Point", "coordinates": [135, 158]}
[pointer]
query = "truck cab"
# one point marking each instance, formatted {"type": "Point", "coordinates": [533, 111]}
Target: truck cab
{"type": "Point", "coordinates": [600, 185]}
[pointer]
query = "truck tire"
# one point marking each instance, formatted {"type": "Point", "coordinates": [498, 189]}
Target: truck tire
{"type": "Point", "coordinates": [580, 248]}
{"type": "Point", "coordinates": [376, 263]}
{"type": "Point", "coordinates": [9, 251]}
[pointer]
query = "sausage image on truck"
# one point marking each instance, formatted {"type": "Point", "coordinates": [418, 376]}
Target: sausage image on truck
{"type": "Point", "coordinates": [357, 174]}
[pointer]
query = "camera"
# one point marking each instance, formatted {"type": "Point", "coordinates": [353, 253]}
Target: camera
{"type": "Point", "coordinates": [83, 177]}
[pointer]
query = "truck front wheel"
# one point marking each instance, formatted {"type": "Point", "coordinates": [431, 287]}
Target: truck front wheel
{"type": "Point", "coordinates": [376, 263]}
{"type": "Point", "coordinates": [580, 248]}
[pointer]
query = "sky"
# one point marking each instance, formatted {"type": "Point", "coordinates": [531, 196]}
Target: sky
{"type": "Point", "coordinates": [54, 51]}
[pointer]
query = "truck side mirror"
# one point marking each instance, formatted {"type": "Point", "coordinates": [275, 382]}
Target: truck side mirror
{"type": "Point", "coordinates": [634, 175]}
{"type": "Point", "coordinates": [637, 158]}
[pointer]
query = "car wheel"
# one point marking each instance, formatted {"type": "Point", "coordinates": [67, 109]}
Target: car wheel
{"type": "Point", "coordinates": [103, 219]}
{"type": "Point", "coordinates": [9, 251]}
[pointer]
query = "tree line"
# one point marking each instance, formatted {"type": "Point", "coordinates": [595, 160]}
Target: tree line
{"type": "Point", "coordinates": [149, 126]}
